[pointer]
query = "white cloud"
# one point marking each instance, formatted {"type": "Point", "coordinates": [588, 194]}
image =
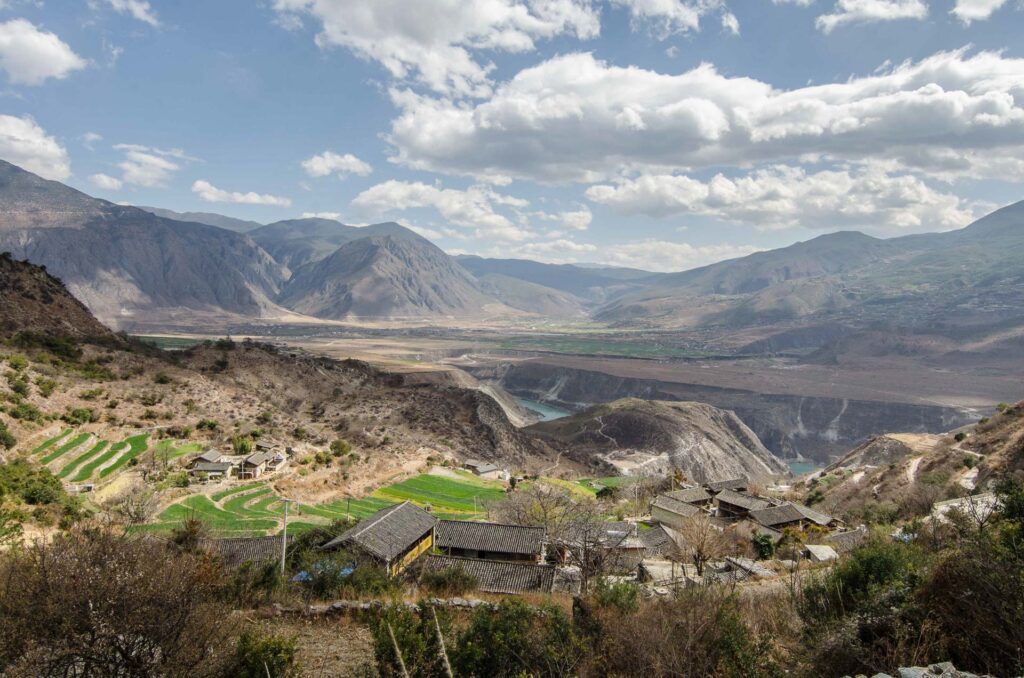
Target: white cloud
{"type": "Point", "coordinates": [664, 255]}
{"type": "Point", "coordinates": [575, 118]}
{"type": "Point", "coordinates": [148, 166]}
{"type": "Point", "coordinates": [785, 197]}
{"type": "Point", "coordinates": [667, 17]}
{"type": "Point", "coordinates": [106, 182]}
{"type": "Point", "coordinates": [31, 56]}
{"type": "Point", "coordinates": [870, 11]}
{"type": "Point", "coordinates": [329, 162]}
{"type": "Point", "coordinates": [138, 9]}
{"type": "Point", "coordinates": [26, 144]}
{"type": "Point", "coordinates": [578, 220]}
{"type": "Point", "coordinates": [210, 193]}
{"type": "Point", "coordinates": [800, 3]}
{"type": "Point", "coordinates": [472, 208]}
{"type": "Point", "coordinates": [90, 138]}
{"type": "Point", "coordinates": [322, 215]}
{"type": "Point", "coordinates": [434, 41]}
{"type": "Point", "coordinates": [975, 10]}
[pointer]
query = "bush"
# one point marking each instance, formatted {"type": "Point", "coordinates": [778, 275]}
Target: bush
{"type": "Point", "coordinates": [207, 425]}
{"type": "Point", "coordinates": [960, 437]}
{"type": "Point", "coordinates": [46, 386]}
{"type": "Point", "coordinates": [17, 362]}
{"type": "Point", "coordinates": [340, 447]}
{"type": "Point", "coordinates": [26, 412]}
{"type": "Point", "coordinates": [162, 379]}
{"type": "Point", "coordinates": [80, 415]}
{"type": "Point", "coordinates": [241, 445]}
{"type": "Point", "coordinates": [260, 656]}
{"type": "Point", "coordinates": [7, 439]}
{"type": "Point", "coordinates": [452, 581]}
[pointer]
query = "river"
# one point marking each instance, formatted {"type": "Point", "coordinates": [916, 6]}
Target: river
{"type": "Point", "coordinates": [547, 412]}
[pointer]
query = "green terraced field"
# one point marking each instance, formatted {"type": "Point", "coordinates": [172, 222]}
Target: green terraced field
{"type": "Point", "coordinates": [445, 495]}
{"type": "Point", "coordinates": [85, 472]}
{"type": "Point", "coordinates": [50, 442]}
{"type": "Point", "coordinates": [70, 467]}
{"type": "Point", "coordinates": [136, 446]}
{"type": "Point", "coordinates": [66, 447]}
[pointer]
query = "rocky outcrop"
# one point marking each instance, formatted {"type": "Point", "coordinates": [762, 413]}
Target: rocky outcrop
{"type": "Point", "coordinates": [639, 437]}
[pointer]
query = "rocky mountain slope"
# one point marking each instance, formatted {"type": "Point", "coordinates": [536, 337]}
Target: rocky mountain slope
{"type": "Point", "coordinates": [297, 242]}
{"type": "Point", "coordinates": [123, 262]}
{"type": "Point", "coordinates": [208, 218]}
{"type": "Point", "coordinates": [385, 277]}
{"type": "Point", "coordinates": [35, 302]}
{"type": "Point", "coordinates": [652, 437]}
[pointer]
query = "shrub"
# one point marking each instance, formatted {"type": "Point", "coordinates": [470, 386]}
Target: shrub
{"type": "Point", "coordinates": [46, 386]}
{"type": "Point", "coordinates": [207, 425]}
{"type": "Point", "coordinates": [19, 386]}
{"type": "Point", "coordinates": [623, 596]}
{"type": "Point", "coordinates": [764, 546]}
{"type": "Point", "coordinates": [452, 581]}
{"type": "Point", "coordinates": [162, 379]}
{"type": "Point", "coordinates": [340, 447]}
{"type": "Point", "coordinates": [960, 437]}
{"type": "Point", "coordinates": [17, 362]}
{"type": "Point", "coordinates": [26, 412]}
{"type": "Point", "coordinates": [258, 656]}
{"type": "Point", "coordinates": [80, 415]}
{"type": "Point", "coordinates": [241, 445]}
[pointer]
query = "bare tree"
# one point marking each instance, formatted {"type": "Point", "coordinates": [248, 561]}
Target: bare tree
{"type": "Point", "coordinates": [701, 540]}
{"type": "Point", "coordinates": [135, 507]}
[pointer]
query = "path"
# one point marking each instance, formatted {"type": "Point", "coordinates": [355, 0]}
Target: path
{"type": "Point", "coordinates": [912, 468]}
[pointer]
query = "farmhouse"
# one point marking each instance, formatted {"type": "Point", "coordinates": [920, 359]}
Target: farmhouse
{"type": "Point", "coordinates": [790, 514]}
{"type": "Point", "coordinates": [255, 464]}
{"type": "Point", "coordinates": [209, 457]}
{"type": "Point", "coordinates": [489, 541]}
{"type": "Point", "coordinates": [733, 504]}
{"type": "Point", "coordinates": [394, 537]}
{"type": "Point", "coordinates": [698, 496]}
{"type": "Point", "coordinates": [495, 576]}
{"type": "Point", "coordinates": [484, 469]}
{"type": "Point", "coordinates": [211, 469]}
{"type": "Point", "coordinates": [734, 484]}
{"type": "Point", "coordinates": [670, 511]}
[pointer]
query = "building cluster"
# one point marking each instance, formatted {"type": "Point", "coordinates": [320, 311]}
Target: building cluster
{"type": "Point", "coordinates": [267, 457]}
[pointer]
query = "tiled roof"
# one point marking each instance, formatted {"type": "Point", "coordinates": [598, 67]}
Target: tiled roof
{"type": "Point", "coordinates": [657, 541]}
{"type": "Point", "coordinates": [690, 494]}
{"type": "Point", "coordinates": [209, 456]}
{"type": "Point", "coordinates": [495, 537]}
{"type": "Point", "coordinates": [234, 552]}
{"type": "Point", "coordinates": [742, 500]}
{"type": "Point", "coordinates": [208, 467]}
{"type": "Point", "coordinates": [731, 484]}
{"type": "Point", "coordinates": [812, 515]}
{"type": "Point", "coordinates": [495, 576]}
{"type": "Point", "coordinates": [258, 458]}
{"type": "Point", "coordinates": [844, 542]}
{"type": "Point", "coordinates": [388, 532]}
{"type": "Point", "coordinates": [790, 512]}
{"type": "Point", "coordinates": [668, 503]}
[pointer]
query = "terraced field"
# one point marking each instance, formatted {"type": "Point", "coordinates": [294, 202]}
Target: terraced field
{"type": "Point", "coordinates": [255, 509]}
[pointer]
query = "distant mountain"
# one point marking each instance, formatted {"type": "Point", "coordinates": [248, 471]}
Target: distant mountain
{"type": "Point", "coordinates": [595, 285]}
{"type": "Point", "coordinates": [530, 297]}
{"type": "Point", "coordinates": [297, 242]}
{"type": "Point", "coordinates": [208, 218]}
{"type": "Point", "coordinates": [386, 277]}
{"type": "Point", "coordinates": [125, 263]}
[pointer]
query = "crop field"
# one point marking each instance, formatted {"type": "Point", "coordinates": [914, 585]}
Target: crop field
{"type": "Point", "coordinates": [255, 509]}
{"type": "Point", "coordinates": [50, 442]}
{"type": "Point", "coordinates": [64, 448]}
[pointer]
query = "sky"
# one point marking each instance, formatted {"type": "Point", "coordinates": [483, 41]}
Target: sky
{"type": "Point", "coordinates": [659, 134]}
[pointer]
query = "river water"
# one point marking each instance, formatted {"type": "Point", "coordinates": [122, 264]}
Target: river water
{"type": "Point", "coordinates": [547, 412]}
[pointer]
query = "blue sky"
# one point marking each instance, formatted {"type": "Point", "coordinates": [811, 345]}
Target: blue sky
{"type": "Point", "coordinates": [656, 133]}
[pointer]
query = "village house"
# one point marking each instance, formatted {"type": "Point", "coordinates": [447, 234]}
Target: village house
{"type": "Point", "coordinates": [236, 551]}
{"type": "Point", "coordinates": [733, 504]}
{"type": "Point", "coordinates": [698, 496]}
{"type": "Point", "coordinates": [734, 484]}
{"type": "Point", "coordinates": [496, 576]}
{"type": "Point", "coordinates": [217, 470]}
{"type": "Point", "coordinates": [394, 537]}
{"type": "Point", "coordinates": [790, 515]}
{"type": "Point", "coordinates": [255, 465]}
{"type": "Point", "coordinates": [669, 511]}
{"type": "Point", "coordinates": [489, 541]}
{"type": "Point", "coordinates": [484, 469]}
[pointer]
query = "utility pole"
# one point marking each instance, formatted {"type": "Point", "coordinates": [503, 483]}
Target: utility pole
{"type": "Point", "coordinates": [284, 536]}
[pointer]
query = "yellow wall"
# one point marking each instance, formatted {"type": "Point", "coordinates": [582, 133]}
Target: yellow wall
{"type": "Point", "coordinates": [414, 553]}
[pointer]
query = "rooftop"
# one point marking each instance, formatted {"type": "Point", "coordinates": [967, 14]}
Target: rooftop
{"type": "Point", "coordinates": [496, 537]}
{"type": "Point", "coordinates": [690, 495]}
{"type": "Point", "coordinates": [495, 576]}
{"type": "Point", "coordinates": [669, 503]}
{"type": "Point", "coordinates": [731, 484]}
{"type": "Point", "coordinates": [212, 467]}
{"type": "Point", "coordinates": [746, 501]}
{"type": "Point", "coordinates": [239, 550]}
{"type": "Point", "coordinates": [389, 532]}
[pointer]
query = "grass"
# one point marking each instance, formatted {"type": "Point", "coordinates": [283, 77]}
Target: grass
{"type": "Point", "coordinates": [217, 496]}
{"type": "Point", "coordinates": [77, 461]}
{"type": "Point", "coordinates": [86, 471]}
{"type": "Point", "coordinates": [50, 442]}
{"type": "Point", "coordinates": [136, 446]}
{"type": "Point", "coordinates": [445, 495]}
{"type": "Point", "coordinates": [66, 447]}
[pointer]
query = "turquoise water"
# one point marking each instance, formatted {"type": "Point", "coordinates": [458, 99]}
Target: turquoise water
{"type": "Point", "coordinates": [800, 467]}
{"type": "Point", "coordinates": [546, 411]}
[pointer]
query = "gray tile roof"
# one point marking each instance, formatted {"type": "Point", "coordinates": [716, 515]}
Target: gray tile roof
{"type": "Point", "coordinates": [690, 495]}
{"type": "Point", "coordinates": [495, 576]}
{"type": "Point", "coordinates": [657, 541]}
{"type": "Point", "coordinates": [681, 508]}
{"type": "Point", "coordinates": [731, 484]}
{"type": "Point", "coordinates": [236, 551]}
{"type": "Point", "coordinates": [496, 537]}
{"type": "Point", "coordinates": [389, 532]}
{"type": "Point", "coordinates": [258, 458]}
{"type": "Point", "coordinates": [742, 500]}
{"type": "Point", "coordinates": [212, 467]}
{"type": "Point", "coordinates": [790, 512]}
{"type": "Point", "coordinates": [209, 456]}
{"type": "Point", "coordinates": [844, 542]}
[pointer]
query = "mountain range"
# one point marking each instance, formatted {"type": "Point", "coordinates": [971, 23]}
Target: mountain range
{"type": "Point", "coordinates": [127, 264]}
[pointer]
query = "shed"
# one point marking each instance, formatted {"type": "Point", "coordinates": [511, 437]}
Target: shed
{"type": "Point", "coordinates": [236, 551]}
{"type": "Point", "coordinates": [820, 553]}
{"type": "Point", "coordinates": [395, 536]}
{"type": "Point", "coordinates": [489, 541]}
{"type": "Point", "coordinates": [496, 576]}
{"type": "Point", "coordinates": [484, 469]}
